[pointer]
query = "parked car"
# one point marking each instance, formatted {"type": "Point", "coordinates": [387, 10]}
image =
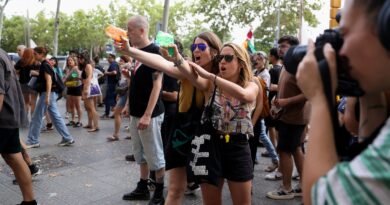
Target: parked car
{"type": "Point", "coordinates": [14, 57]}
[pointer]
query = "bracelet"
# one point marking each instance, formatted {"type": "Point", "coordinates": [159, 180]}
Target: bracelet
{"type": "Point", "coordinates": [178, 62]}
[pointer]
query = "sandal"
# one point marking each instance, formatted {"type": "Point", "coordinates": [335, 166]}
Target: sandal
{"type": "Point", "coordinates": [93, 130]}
{"type": "Point", "coordinates": [112, 138]}
{"type": "Point", "coordinates": [128, 138]}
{"type": "Point", "coordinates": [78, 124]}
{"type": "Point", "coordinates": [70, 123]}
{"type": "Point", "coordinates": [87, 127]}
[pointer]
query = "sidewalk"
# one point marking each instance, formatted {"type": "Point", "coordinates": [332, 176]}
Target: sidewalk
{"type": "Point", "coordinates": [94, 171]}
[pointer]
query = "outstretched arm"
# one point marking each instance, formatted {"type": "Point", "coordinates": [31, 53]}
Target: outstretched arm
{"type": "Point", "coordinates": [150, 59]}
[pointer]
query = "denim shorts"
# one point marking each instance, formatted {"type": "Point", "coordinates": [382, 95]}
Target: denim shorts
{"type": "Point", "coordinates": [122, 100]}
{"type": "Point", "coordinates": [147, 143]}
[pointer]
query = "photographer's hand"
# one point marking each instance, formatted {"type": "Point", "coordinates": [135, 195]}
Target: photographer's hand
{"type": "Point", "coordinates": [308, 74]}
{"type": "Point", "coordinates": [321, 152]}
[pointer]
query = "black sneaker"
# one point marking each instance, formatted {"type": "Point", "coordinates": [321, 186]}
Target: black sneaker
{"type": "Point", "coordinates": [29, 203]}
{"type": "Point", "coordinates": [65, 143]}
{"type": "Point", "coordinates": [157, 201]}
{"type": "Point", "coordinates": [192, 189]}
{"type": "Point", "coordinates": [151, 184]}
{"type": "Point", "coordinates": [34, 170]}
{"type": "Point", "coordinates": [158, 196]}
{"type": "Point", "coordinates": [141, 192]}
{"type": "Point", "coordinates": [130, 158]}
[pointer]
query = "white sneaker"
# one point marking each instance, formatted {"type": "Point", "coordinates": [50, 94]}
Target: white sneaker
{"type": "Point", "coordinates": [295, 175]}
{"type": "Point", "coordinates": [274, 176]}
{"type": "Point", "coordinates": [192, 189]}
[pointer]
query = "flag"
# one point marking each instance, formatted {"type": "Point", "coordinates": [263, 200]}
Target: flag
{"type": "Point", "coordinates": [248, 42]}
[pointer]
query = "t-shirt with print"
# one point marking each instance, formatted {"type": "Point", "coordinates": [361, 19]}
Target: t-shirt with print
{"type": "Point", "coordinates": [293, 113]}
{"type": "Point", "coordinates": [141, 85]}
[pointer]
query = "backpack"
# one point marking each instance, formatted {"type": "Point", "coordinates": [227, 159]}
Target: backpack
{"type": "Point", "coordinates": [59, 85]}
{"type": "Point", "coordinates": [265, 112]}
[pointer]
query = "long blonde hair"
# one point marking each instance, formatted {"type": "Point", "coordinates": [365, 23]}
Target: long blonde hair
{"type": "Point", "coordinates": [244, 62]}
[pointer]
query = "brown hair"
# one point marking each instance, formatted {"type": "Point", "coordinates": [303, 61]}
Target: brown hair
{"type": "Point", "coordinates": [28, 57]}
{"type": "Point", "coordinates": [215, 45]}
{"type": "Point", "coordinates": [41, 50]}
{"type": "Point", "coordinates": [125, 58]}
{"type": "Point", "coordinates": [244, 62]}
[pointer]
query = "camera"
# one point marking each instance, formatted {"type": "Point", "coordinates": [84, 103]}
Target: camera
{"type": "Point", "coordinates": [346, 85]}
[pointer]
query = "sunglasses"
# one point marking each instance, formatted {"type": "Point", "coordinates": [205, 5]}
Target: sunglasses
{"type": "Point", "coordinates": [200, 46]}
{"type": "Point", "coordinates": [228, 58]}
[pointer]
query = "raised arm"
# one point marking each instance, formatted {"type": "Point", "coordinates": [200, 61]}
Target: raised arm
{"type": "Point", "coordinates": [247, 94]}
{"type": "Point", "coordinates": [259, 102]}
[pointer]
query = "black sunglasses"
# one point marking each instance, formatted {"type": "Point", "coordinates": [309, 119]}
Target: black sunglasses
{"type": "Point", "coordinates": [228, 58]}
{"type": "Point", "coordinates": [200, 46]}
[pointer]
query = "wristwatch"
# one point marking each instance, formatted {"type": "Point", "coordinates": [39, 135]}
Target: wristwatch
{"type": "Point", "coordinates": [178, 62]}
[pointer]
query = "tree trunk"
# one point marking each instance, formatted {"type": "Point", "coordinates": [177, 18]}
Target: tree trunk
{"type": "Point", "coordinates": [56, 28]}
{"type": "Point", "coordinates": [1, 18]}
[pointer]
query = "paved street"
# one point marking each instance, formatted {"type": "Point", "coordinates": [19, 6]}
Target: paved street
{"type": "Point", "coordinates": [94, 171]}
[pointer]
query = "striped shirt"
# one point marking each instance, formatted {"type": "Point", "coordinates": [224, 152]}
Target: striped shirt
{"type": "Point", "coordinates": [365, 180]}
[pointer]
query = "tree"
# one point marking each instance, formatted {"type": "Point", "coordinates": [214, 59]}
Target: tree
{"type": "Point", "coordinates": [13, 34]}
{"type": "Point", "coordinates": [264, 34]}
{"type": "Point", "coordinates": [223, 15]}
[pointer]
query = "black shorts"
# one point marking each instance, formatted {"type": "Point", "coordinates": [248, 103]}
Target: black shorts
{"type": "Point", "coordinates": [289, 136]}
{"type": "Point", "coordinates": [74, 91]}
{"type": "Point", "coordinates": [236, 161]}
{"type": "Point", "coordinates": [9, 141]}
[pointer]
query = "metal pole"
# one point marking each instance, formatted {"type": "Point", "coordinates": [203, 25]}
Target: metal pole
{"type": "Point", "coordinates": [56, 28]}
{"type": "Point", "coordinates": [301, 21]}
{"type": "Point", "coordinates": [278, 25]}
{"type": "Point", "coordinates": [165, 16]}
{"type": "Point", "coordinates": [28, 32]}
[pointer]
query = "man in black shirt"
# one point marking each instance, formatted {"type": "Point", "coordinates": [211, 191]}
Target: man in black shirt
{"type": "Point", "coordinates": [111, 76]}
{"type": "Point", "coordinates": [13, 116]}
{"type": "Point", "coordinates": [146, 115]}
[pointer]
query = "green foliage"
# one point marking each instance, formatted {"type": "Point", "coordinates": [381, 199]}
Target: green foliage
{"type": "Point", "coordinates": [13, 33]}
{"type": "Point", "coordinates": [223, 15]}
{"type": "Point", "coordinates": [85, 29]}
{"type": "Point", "coordinates": [289, 21]}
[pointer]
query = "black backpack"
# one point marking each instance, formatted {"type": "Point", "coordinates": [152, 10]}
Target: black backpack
{"type": "Point", "coordinates": [58, 85]}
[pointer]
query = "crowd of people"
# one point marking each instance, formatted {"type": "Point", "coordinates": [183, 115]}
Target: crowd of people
{"type": "Point", "coordinates": [201, 117]}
